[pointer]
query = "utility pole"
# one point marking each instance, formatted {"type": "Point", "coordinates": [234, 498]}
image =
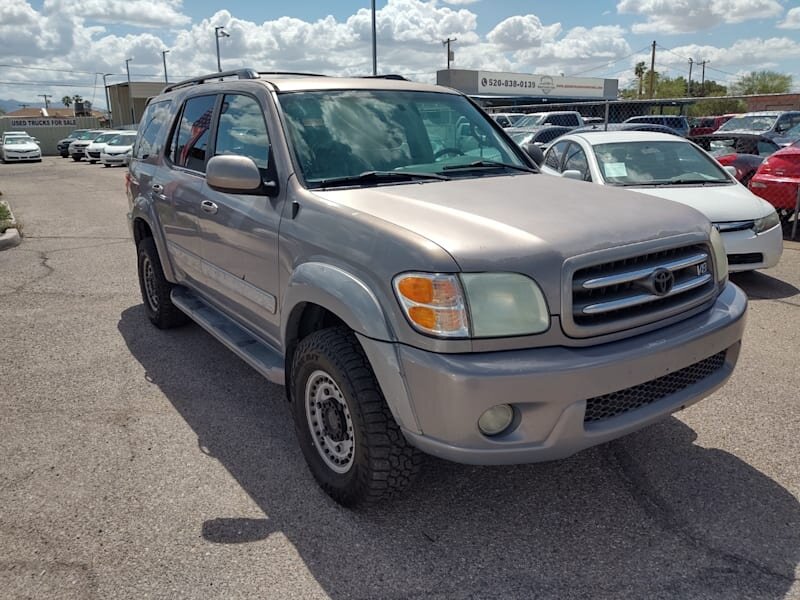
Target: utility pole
{"type": "Point", "coordinates": [652, 70]}
{"type": "Point", "coordinates": [374, 43]}
{"type": "Point", "coordinates": [108, 102]}
{"type": "Point", "coordinates": [46, 103]}
{"type": "Point", "coordinates": [218, 33]}
{"type": "Point", "coordinates": [130, 93]}
{"type": "Point", "coordinates": [164, 59]}
{"type": "Point", "coordinates": [703, 79]}
{"type": "Point", "coordinates": [689, 84]}
{"type": "Point", "coordinates": [447, 43]}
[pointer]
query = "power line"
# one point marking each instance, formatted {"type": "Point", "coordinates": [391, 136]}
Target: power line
{"type": "Point", "coordinates": [608, 64]}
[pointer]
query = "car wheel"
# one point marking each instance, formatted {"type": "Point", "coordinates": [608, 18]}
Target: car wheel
{"type": "Point", "coordinates": [91, 162]}
{"type": "Point", "coordinates": [106, 165]}
{"type": "Point", "coordinates": [352, 444]}
{"type": "Point", "coordinates": [156, 289]}
{"type": "Point", "coordinates": [76, 158]}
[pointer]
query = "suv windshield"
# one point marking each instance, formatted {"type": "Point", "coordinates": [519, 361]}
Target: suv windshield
{"type": "Point", "coordinates": [657, 163]}
{"type": "Point", "coordinates": [87, 135]}
{"type": "Point", "coordinates": [529, 121]}
{"type": "Point", "coordinates": [125, 139]}
{"type": "Point", "coordinates": [344, 134]}
{"type": "Point", "coordinates": [750, 123]}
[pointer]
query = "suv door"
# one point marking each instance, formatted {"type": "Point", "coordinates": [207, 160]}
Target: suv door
{"type": "Point", "coordinates": [240, 231]}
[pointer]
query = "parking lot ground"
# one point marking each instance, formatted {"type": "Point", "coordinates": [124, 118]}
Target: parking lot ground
{"type": "Point", "coordinates": [138, 463]}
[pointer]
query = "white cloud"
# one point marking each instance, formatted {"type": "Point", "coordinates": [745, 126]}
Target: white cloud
{"type": "Point", "coordinates": [461, 2]}
{"type": "Point", "coordinates": [521, 32]}
{"type": "Point", "coordinates": [792, 20]}
{"type": "Point", "coordinates": [142, 13]}
{"type": "Point", "coordinates": [687, 16]}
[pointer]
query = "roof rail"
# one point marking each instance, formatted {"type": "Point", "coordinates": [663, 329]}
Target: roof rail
{"type": "Point", "coordinates": [240, 73]}
{"type": "Point", "coordinates": [394, 76]}
{"type": "Point", "coordinates": [302, 74]}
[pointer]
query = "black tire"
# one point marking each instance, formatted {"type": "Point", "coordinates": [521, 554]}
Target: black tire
{"type": "Point", "coordinates": [383, 463]}
{"type": "Point", "coordinates": [91, 162]}
{"type": "Point", "coordinates": [77, 158]}
{"type": "Point", "coordinates": [106, 165]}
{"type": "Point", "coordinates": [156, 289]}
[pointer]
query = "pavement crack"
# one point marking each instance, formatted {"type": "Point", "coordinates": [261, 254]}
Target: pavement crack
{"type": "Point", "coordinates": [664, 516]}
{"type": "Point", "coordinates": [43, 260]}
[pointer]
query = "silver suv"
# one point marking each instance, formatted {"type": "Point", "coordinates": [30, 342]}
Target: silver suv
{"type": "Point", "coordinates": [385, 251]}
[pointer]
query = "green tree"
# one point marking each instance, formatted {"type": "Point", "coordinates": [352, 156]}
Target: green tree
{"type": "Point", "coordinates": [77, 98]}
{"type": "Point", "coordinates": [67, 101]}
{"type": "Point", "coordinates": [640, 70]}
{"type": "Point", "coordinates": [763, 82]}
{"type": "Point", "coordinates": [718, 106]}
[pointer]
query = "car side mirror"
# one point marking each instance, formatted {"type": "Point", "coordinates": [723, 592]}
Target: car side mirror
{"type": "Point", "coordinates": [572, 174]}
{"type": "Point", "coordinates": [237, 175]}
{"type": "Point", "coordinates": [535, 152]}
{"type": "Point", "coordinates": [730, 169]}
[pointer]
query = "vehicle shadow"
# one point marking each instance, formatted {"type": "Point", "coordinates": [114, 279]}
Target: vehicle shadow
{"type": "Point", "coordinates": [649, 516]}
{"type": "Point", "coordinates": [760, 286]}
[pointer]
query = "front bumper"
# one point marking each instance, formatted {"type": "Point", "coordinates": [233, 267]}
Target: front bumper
{"type": "Point", "coordinates": [18, 156]}
{"type": "Point", "coordinates": [747, 250]}
{"type": "Point", "coordinates": [113, 159]}
{"type": "Point", "coordinates": [549, 387]}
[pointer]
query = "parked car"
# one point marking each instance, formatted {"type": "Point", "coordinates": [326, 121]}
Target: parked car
{"type": "Point", "coordinates": [777, 180]}
{"type": "Point", "coordinates": [454, 302]}
{"type": "Point", "coordinates": [678, 123]}
{"type": "Point", "coordinates": [77, 148]}
{"type": "Point", "coordinates": [706, 125]}
{"type": "Point", "coordinates": [669, 167]}
{"type": "Point", "coordinates": [63, 145]}
{"type": "Point", "coordinates": [742, 151]}
{"type": "Point", "coordinates": [118, 149]}
{"type": "Point", "coordinates": [769, 123]}
{"type": "Point", "coordinates": [564, 118]}
{"type": "Point", "coordinates": [13, 134]}
{"type": "Point", "coordinates": [627, 127]}
{"type": "Point", "coordinates": [507, 119]}
{"type": "Point", "coordinates": [98, 144]}
{"type": "Point", "coordinates": [20, 148]}
{"type": "Point", "coordinates": [540, 136]}
{"type": "Point", "coordinates": [788, 137]}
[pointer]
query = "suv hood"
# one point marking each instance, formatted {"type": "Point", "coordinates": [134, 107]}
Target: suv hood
{"type": "Point", "coordinates": [720, 203]}
{"type": "Point", "coordinates": [525, 223]}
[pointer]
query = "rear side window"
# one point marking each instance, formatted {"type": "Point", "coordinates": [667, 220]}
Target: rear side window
{"type": "Point", "coordinates": [190, 144]}
{"type": "Point", "coordinates": [242, 129]}
{"type": "Point", "coordinates": [149, 139]}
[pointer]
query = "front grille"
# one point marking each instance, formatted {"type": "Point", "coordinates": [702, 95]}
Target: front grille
{"type": "Point", "coordinates": [630, 292]}
{"type": "Point", "coordinates": [751, 258]}
{"type": "Point", "coordinates": [617, 403]}
{"type": "Point", "coordinates": [94, 154]}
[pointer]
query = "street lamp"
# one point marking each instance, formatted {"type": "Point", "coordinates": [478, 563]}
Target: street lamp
{"type": "Point", "coordinates": [164, 59]}
{"type": "Point", "coordinates": [218, 33]}
{"type": "Point", "coordinates": [108, 101]}
{"type": "Point", "coordinates": [130, 93]}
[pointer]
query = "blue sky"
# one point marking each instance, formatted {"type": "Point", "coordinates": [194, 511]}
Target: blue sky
{"type": "Point", "coordinates": [57, 46]}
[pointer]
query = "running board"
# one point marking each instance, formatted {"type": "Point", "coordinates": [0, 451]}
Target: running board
{"type": "Point", "coordinates": [261, 356]}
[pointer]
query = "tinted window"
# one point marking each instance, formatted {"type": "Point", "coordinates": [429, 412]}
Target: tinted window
{"type": "Point", "coordinates": [553, 158]}
{"type": "Point", "coordinates": [242, 129]}
{"type": "Point", "coordinates": [148, 139]}
{"type": "Point", "coordinates": [575, 159]}
{"type": "Point", "coordinates": [192, 134]}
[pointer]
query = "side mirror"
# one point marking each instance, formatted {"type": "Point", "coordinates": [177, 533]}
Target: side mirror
{"type": "Point", "coordinates": [731, 170]}
{"type": "Point", "coordinates": [572, 174]}
{"type": "Point", "coordinates": [237, 175]}
{"type": "Point", "coordinates": [535, 153]}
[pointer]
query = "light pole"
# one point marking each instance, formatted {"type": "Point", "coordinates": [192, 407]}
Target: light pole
{"type": "Point", "coordinates": [218, 33]}
{"type": "Point", "coordinates": [374, 43]}
{"type": "Point", "coordinates": [130, 93]}
{"type": "Point", "coordinates": [164, 59]}
{"type": "Point", "coordinates": [108, 102]}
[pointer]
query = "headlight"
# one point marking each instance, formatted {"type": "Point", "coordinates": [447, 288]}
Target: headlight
{"type": "Point", "coordinates": [477, 304]}
{"type": "Point", "coordinates": [764, 223]}
{"type": "Point", "coordinates": [720, 257]}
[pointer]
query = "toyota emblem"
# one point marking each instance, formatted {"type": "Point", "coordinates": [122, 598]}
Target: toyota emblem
{"type": "Point", "coordinates": [662, 281]}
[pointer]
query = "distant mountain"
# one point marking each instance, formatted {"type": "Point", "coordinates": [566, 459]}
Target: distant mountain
{"type": "Point", "coordinates": [12, 105]}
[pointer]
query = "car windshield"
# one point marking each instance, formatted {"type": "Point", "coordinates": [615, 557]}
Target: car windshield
{"type": "Point", "coordinates": [126, 139]}
{"type": "Point", "coordinates": [341, 135]}
{"type": "Point", "coordinates": [20, 139]}
{"type": "Point", "coordinates": [657, 163]}
{"type": "Point", "coordinates": [87, 135]}
{"type": "Point", "coordinates": [793, 133]}
{"type": "Point", "coordinates": [102, 139]}
{"type": "Point", "coordinates": [750, 123]}
{"type": "Point", "coordinates": [529, 121]}
{"type": "Point", "coordinates": [522, 137]}
{"type": "Point", "coordinates": [76, 133]}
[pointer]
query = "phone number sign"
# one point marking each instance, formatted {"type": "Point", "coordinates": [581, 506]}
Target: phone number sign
{"type": "Point", "coordinates": [539, 85]}
{"type": "Point", "coordinates": [44, 122]}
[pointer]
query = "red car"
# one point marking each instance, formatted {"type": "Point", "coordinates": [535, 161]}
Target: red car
{"type": "Point", "coordinates": [706, 125]}
{"type": "Point", "coordinates": [777, 180]}
{"type": "Point", "coordinates": [743, 151]}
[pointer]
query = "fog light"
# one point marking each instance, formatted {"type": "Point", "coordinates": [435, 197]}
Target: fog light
{"type": "Point", "coordinates": [496, 419]}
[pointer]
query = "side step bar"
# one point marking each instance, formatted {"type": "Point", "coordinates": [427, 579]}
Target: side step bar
{"type": "Point", "coordinates": [255, 352]}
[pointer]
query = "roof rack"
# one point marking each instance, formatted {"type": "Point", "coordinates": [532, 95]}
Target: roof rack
{"type": "Point", "coordinates": [393, 76]}
{"type": "Point", "coordinates": [240, 73]}
{"type": "Point", "coordinates": [302, 74]}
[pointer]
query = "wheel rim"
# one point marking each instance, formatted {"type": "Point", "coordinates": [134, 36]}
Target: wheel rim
{"type": "Point", "coordinates": [329, 422]}
{"type": "Point", "coordinates": [149, 279]}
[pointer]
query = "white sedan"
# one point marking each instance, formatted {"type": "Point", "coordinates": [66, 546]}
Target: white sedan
{"type": "Point", "coordinates": [674, 168]}
{"type": "Point", "coordinates": [98, 144]}
{"type": "Point", "coordinates": [20, 148]}
{"type": "Point", "coordinates": [118, 149]}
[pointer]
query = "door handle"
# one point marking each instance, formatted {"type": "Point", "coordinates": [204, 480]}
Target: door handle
{"type": "Point", "coordinates": [209, 207]}
{"type": "Point", "coordinates": [158, 189]}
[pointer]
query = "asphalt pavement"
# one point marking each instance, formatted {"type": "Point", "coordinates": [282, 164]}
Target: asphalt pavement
{"type": "Point", "coordinates": [138, 463]}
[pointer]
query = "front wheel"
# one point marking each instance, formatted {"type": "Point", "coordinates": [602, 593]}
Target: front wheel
{"type": "Point", "coordinates": [91, 162]}
{"type": "Point", "coordinates": [352, 444]}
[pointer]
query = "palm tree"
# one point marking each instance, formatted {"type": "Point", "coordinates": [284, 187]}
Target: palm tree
{"type": "Point", "coordinates": [67, 100]}
{"type": "Point", "coordinates": [640, 70]}
{"type": "Point", "coordinates": [77, 98]}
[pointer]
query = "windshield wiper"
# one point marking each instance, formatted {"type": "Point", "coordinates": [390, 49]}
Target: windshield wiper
{"type": "Point", "coordinates": [378, 177]}
{"type": "Point", "coordinates": [683, 181]}
{"type": "Point", "coordinates": [488, 164]}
